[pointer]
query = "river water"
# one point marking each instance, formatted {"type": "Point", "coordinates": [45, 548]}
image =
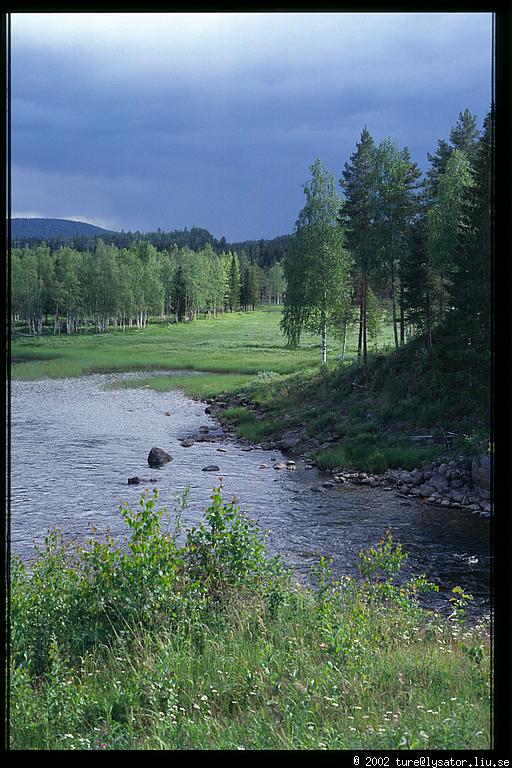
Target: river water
{"type": "Point", "coordinates": [75, 442]}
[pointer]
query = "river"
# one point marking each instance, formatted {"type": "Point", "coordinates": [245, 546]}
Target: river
{"type": "Point", "coordinates": [75, 442]}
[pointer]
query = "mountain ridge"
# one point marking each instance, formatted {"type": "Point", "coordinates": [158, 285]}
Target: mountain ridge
{"type": "Point", "coordinates": [41, 228]}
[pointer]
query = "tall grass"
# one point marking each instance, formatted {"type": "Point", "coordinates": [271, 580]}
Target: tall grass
{"type": "Point", "coordinates": [236, 343]}
{"type": "Point", "coordinates": [208, 644]}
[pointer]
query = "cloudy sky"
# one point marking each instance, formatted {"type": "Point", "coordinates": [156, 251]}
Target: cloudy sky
{"type": "Point", "coordinates": [140, 121]}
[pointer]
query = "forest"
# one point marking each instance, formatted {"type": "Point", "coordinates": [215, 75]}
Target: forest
{"type": "Point", "coordinates": [121, 287]}
{"type": "Point", "coordinates": [425, 244]}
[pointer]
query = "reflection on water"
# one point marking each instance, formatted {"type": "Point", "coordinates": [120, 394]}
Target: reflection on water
{"type": "Point", "coordinates": [75, 443]}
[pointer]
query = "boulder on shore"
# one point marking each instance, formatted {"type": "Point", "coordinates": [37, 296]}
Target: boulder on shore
{"type": "Point", "coordinates": [158, 457]}
{"type": "Point", "coordinates": [288, 443]}
{"type": "Point", "coordinates": [481, 471]}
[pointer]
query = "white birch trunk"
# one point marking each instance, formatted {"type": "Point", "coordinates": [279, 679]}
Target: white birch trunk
{"type": "Point", "coordinates": [324, 334]}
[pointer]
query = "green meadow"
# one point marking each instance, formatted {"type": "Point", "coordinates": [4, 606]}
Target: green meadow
{"type": "Point", "coordinates": [232, 349]}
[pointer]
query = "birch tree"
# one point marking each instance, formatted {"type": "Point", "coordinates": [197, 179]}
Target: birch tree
{"type": "Point", "coordinates": [316, 265]}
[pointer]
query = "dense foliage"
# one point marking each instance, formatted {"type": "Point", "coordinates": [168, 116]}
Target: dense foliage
{"type": "Point", "coordinates": [425, 245]}
{"type": "Point", "coordinates": [317, 265]}
{"type": "Point", "coordinates": [110, 286]}
{"type": "Point", "coordinates": [190, 639]}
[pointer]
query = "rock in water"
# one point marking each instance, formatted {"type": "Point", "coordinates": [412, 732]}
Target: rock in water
{"type": "Point", "coordinates": [158, 457]}
{"type": "Point", "coordinates": [211, 468]}
{"type": "Point", "coordinates": [134, 480]}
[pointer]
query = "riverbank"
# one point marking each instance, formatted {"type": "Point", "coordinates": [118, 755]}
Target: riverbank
{"type": "Point", "coordinates": [461, 482]}
{"type": "Point", "coordinates": [370, 428]}
{"type": "Point", "coordinates": [358, 422]}
{"type": "Point", "coordinates": [210, 645]}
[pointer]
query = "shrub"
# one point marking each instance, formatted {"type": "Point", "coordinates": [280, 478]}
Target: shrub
{"type": "Point", "coordinates": [80, 596]}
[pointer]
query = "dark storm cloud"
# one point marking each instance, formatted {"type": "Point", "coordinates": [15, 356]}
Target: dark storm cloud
{"type": "Point", "coordinates": [213, 120]}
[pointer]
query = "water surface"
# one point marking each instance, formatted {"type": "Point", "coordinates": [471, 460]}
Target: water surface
{"type": "Point", "coordinates": [75, 442]}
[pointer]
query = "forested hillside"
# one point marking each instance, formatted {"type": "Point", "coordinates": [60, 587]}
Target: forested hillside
{"type": "Point", "coordinates": [83, 237]}
{"type": "Point", "coordinates": [52, 229]}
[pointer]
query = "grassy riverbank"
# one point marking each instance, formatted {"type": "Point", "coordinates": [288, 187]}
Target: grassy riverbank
{"type": "Point", "coordinates": [369, 413]}
{"type": "Point", "coordinates": [371, 417]}
{"type": "Point", "coordinates": [204, 642]}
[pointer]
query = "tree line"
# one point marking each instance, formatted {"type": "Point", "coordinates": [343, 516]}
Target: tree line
{"type": "Point", "coordinates": [424, 243]}
{"type": "Point", "coordinates": [72, 290]}
{"type": "Point", "coordinates": [265, 252]}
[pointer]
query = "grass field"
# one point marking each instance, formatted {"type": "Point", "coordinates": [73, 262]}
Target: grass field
{"type": "Point", "coordinates": [236, 345]}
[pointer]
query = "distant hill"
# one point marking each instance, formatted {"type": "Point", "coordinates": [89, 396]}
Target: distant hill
{"type": "Point", "coordinates": [51, 229]}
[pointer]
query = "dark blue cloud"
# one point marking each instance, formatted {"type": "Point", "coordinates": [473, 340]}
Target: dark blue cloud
{"type": "Point", "coordinates": [135, 130]}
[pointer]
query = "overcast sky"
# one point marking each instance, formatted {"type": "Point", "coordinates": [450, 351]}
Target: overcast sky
{"type": "Point", "coordinates": [140, 121]}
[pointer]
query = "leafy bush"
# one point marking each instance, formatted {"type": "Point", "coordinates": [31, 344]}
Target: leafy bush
{"type": "Point", "coordinates": [80, 596]}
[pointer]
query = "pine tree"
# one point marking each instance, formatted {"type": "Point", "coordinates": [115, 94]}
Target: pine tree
{"type": "Point", "coordinates": [397, 205]}
{"type": "Point", "coordinates": [357, 216]}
